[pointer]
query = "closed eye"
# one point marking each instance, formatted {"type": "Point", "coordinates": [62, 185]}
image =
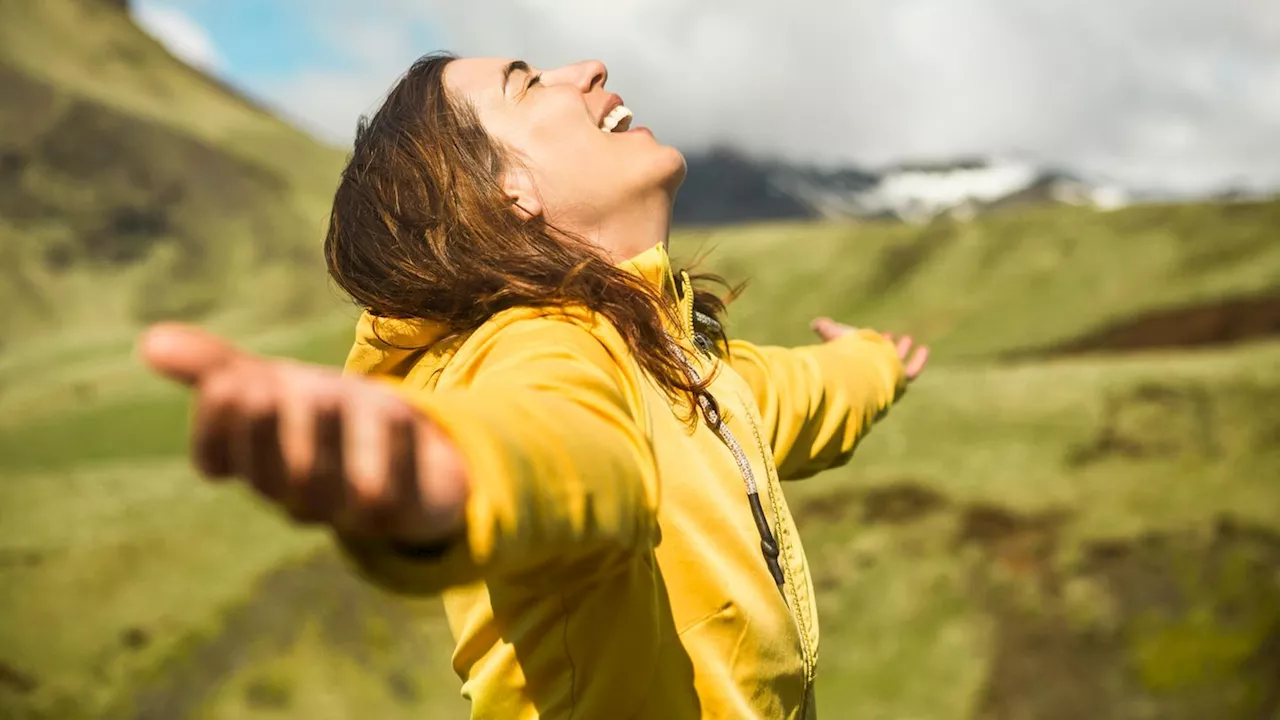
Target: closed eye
{"type": "Point", "coordinates": [533, 80]}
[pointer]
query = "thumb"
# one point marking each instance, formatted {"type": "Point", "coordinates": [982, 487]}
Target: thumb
{"type": "Point", "coordinates": [829, 329]}
{"type": "Point", "coordinates": [184, 353]}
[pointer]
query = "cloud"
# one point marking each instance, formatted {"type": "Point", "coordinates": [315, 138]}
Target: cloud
{"type": "Point", "coordinates": [366, 49]}
{"type": "Point", "coordinates": [328, 104]}
{"type": "Point", "coordinates": [181, 35]}
{"type": "Point", "coordinates": [1176, 94]}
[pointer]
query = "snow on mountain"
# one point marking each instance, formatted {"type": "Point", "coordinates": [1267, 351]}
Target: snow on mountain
{"type": "Point", "coordinates": [920, 192]}
{"type": "Point", "coordinates": [725, 186]}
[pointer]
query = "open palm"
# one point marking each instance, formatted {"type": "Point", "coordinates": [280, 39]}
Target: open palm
{"type": "Point", "coordinates": [913, 356]}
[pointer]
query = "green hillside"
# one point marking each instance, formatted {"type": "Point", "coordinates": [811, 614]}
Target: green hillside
{"type": "Point", "coordinates": [1010, 282]}
{"type": "Point", "coordinates": [1017, 537]}
{"type": "Point", "coordinates": [1036, 532]}
{"type": "Point", "coordinates": [134, 188]}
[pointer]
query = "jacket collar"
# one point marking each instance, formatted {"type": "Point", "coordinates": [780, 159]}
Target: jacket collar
{"type": "Point", "coordinates": [654, 267]}
{"type": "Point", "coordinates": [391, 346]}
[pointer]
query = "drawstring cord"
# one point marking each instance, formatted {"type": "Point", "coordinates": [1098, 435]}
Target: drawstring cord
{"type": "Point", "coordinates": [768, 544]}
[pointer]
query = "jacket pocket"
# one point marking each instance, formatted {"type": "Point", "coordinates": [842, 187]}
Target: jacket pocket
{"type": "Point", "coordinates": [714, 643]}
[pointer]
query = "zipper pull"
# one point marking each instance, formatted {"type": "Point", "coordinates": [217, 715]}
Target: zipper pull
{"type": "Point", "coordinates": [768, 545]}
{"type": "Point", "coordinates": [703, 342]}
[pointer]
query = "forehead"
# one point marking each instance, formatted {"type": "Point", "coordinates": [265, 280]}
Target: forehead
{"type": "Point", "coordinates": [477, 79]}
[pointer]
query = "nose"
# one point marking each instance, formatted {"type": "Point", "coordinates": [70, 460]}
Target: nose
{"type": "Point", "coordinates": [586, 75]}
{"type": "Point", "coordinates": [596, 74]}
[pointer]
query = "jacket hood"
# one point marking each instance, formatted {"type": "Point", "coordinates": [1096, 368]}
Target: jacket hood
{"type": "Point", "coordinates": [386, 346]}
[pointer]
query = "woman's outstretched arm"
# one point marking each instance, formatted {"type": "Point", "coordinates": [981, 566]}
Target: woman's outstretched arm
{"type": "Point", "coordinates": [818, 401]}
{"type": "Point", "coordinates": [539, 460]}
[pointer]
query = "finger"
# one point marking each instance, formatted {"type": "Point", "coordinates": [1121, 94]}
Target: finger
{"type": "Point", "coordinates": [213, 425]}
{"type": "Point", "coordinates": [824, 327]}
{"type": "Point", "coordinates": [324, 491]}
{"type": "Point", "coordinates": [440, 485]}
{"type": "Point", "coordinates": [309, 418]}
{"type": "Point", "coordinates": [257, 450]}
{"type": "Point", "coordinates": [904, 346]}
{"type": "Point", "coordinates": [829, 329]}
{"type": "Point", "coordinates": [917, 362]}
{"type": "Point", "coordinates": [889, 336]}
{"type": "Point", "coordinates": [297, 427]}
{"type": "Point", "coordinates": [429, 491]}
{"type": "Point", "coordinates": [405, 515]}
{"type": "Point", "coordinates": [372, 420]}
{"type": "Point", "coordinates": [186, 354]}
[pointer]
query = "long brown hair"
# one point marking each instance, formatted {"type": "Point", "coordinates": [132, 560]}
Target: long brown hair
{"type": "Point", "coordinates": [421, 228]}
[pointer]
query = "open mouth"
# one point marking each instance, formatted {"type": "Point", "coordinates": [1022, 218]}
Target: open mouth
{"type": "Point", "coordinates": [618, 120]}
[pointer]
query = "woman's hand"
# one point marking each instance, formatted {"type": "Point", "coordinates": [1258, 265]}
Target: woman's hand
{"type": "Point", "coordinates": [329, 449]}
{"type": "Point", "coordinates": [913, 356]}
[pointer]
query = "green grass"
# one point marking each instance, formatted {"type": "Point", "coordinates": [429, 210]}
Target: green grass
{"type": "Point", "coordinates": [109, 543]}
{"type": "Point", "coordinates": [1015, 478]}
{"type": "Point", "coordinates": [1005, 282]}
{"type": "Point", "coordinates": [84, 414]}
{"type": "Point", "coordinates": [94, 554]}
{"type": "Point", "coordinates": [906, 632]}
{"type": "Point", "coordinates": [104, 528]}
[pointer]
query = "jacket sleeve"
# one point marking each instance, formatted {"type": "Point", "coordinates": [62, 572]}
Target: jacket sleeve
{"type": "Point", "coordinates": [818, 401]}
{"type": "Point", "coordinates": [559, 466]}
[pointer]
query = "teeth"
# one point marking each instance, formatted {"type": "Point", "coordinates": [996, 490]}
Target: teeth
{"type": "Point", "coordinates": [618, 120]}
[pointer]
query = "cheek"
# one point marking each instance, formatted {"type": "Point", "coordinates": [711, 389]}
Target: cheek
{"type": "Point", "coordinates": [539, 134]}
{"type": "Point", "coordinates": [565, 153]}
{"type": "Point", "coordinates": [557, 128]}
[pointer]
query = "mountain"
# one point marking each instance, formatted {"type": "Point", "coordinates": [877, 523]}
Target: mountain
{"type": "Point", "coordinates": [921, 191]}
{"type": "Point", "coordinates": [724, 185]}
{"type": "Point", "coordinates": [133, 187]}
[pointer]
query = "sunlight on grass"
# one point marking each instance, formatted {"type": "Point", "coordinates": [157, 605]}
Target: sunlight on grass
{"type": "Point", "coordinates": [142, 551]}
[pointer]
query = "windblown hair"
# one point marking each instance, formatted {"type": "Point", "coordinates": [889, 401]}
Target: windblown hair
{"type": "Point", "coordinates": [421, 228]}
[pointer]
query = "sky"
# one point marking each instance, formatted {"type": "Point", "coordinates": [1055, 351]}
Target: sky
{"type": "Point", "coordinates": [1170, 95]}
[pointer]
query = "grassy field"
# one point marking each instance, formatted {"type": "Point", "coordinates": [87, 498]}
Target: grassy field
{"type": "Point", "coordinates": [1093, 536]}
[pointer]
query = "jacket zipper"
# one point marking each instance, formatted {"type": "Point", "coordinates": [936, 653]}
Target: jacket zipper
{"type": "Point", "coordinates": [768, 543]}
{"type": "Point", "coordinates": [809, 661]}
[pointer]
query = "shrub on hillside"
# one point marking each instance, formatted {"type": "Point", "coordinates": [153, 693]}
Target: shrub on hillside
{"type": "Point", "coordinates": [177, 284]}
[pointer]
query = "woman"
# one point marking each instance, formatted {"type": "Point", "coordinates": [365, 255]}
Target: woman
{"type": "Point", "coordinates": [543, 421]}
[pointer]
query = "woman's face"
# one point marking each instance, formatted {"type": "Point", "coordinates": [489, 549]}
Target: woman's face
{"type": "Point", "coordinates": [572, 164]}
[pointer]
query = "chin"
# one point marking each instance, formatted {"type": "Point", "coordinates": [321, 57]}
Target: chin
{"type": "Point", "coordinates": [673, 169]}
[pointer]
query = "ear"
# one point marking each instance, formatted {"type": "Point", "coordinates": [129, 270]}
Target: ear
{"type": "Point", "coordinates": [517, 183]}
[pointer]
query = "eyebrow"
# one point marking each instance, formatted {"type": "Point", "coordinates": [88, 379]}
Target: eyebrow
{"type": "Point", "coordinates": [513, 67]}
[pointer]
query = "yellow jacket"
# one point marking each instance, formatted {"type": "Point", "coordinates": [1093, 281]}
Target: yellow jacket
{"type": "Point", "coordinates": [611, 566]}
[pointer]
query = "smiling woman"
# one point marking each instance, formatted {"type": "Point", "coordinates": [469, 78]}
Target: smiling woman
{"type": "Point", "coordinates": [542, 419]}
{"type": "Point", "coordinates": [522, 201]}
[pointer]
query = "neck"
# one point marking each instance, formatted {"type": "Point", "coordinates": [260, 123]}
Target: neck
{"type": "Point", "coordinates": [635, 228]}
